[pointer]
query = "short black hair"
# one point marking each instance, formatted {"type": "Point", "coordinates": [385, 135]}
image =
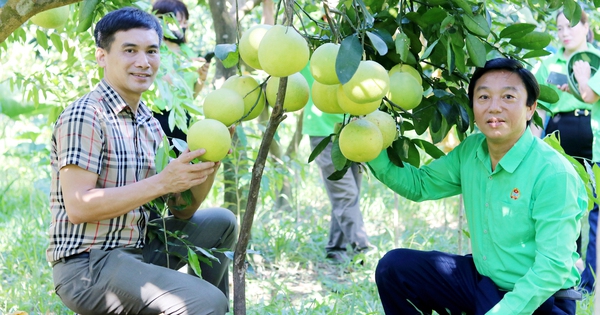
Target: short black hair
{"type": "Point", "coordinates": [171, 6]}
{"type": "Point", "coordinates": [124, 19]}
{"type": "Point", "coordinates": [514, 66]}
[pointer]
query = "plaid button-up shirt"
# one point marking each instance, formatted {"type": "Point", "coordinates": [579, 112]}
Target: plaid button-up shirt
{"type": "Point", "coordinates": [101, 134]}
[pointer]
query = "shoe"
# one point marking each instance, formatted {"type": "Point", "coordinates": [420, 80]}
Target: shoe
{"type": "Point", "coordinates": [360, 254]}
{"type": "Point", "coordinates": [337, 257]}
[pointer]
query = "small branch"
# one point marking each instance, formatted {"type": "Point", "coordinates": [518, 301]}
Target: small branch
{"type": "Point", "coordinates": [15, 13]}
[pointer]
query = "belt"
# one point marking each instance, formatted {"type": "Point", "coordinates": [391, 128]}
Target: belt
{"type": "Point", "coordinates": [85, 255]}
{"type": "Point", "coordinates": [568, 294]}
{"type": "Point", "coordinates": [576, 113]}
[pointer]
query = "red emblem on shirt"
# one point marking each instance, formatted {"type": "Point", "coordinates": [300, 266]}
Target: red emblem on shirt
{"type": "Point", "coordinates": [515, 193]}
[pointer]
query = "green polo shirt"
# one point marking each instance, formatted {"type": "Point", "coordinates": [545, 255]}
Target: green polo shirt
{"type": "Point", "coordinates": [568, 102]}
{"type": "Point", "coordinates": [315, 122]}
{"type": "Point", "coordinates": [524, 217]}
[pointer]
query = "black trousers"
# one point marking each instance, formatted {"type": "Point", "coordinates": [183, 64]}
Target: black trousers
{"type": "Point", "coordinates": [575, 134]}
{"type": "Point", "coordinates": [417, 282]}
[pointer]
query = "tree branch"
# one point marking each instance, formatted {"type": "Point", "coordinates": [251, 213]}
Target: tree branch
{"type": "Point", "coordinates": [16, 12]}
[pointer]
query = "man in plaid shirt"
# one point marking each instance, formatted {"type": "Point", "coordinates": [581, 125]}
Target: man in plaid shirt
{"type": "Point", "coordinates": [104, 176]}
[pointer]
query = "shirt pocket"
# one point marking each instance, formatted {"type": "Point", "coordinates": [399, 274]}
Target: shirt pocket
{"type": "Point", "coordinates": [511, 222]}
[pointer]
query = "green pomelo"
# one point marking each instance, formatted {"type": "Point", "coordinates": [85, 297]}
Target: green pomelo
{"type": "Point", "coordinates": [251, 92]}
{"type": "Point", "coordinates": [369, 83]}
{"type": "Point", "coordinates": [53, 18]}
{"type": "Point", "coordinates": [283, 51]}
{"type": "Point", "coordinates": [405, 91]}
{"type": "Point", "coordinates": [408, 69]}
{"type": "Point", "coordinates": [354, 108]}
{"type": "Point", "coordinates": [249, 43]}
{"type": "Point", "coordinates": [322, 63]}
{"type": "Point", "coordinates": [361, 141]}
{"type": "Point", "coordinates": [325, 98]}
{"type": "Point", "coordinates": [211, 135]}
{"type": "Point", "coordinates": [297, 92]}
{"type": "Point", "coordinates": [386, 124]}
{"type": "Point", "coordinates": [224, 105]}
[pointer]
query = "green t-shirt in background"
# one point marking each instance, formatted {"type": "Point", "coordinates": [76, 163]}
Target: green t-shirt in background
{"type": "Point", "coordinates": [317, 123]}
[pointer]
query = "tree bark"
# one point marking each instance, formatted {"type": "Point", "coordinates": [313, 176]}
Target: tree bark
{"type": "Point", "coordinates": [239, 260]}
{"type": "Point", "coordinates": [16, 12]}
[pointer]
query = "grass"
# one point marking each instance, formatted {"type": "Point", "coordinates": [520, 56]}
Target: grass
{"type": "Point", "coordinates": [289, 276]}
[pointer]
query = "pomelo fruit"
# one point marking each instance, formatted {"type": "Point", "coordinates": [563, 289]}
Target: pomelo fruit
{"type": "Point", "coordinates": [224, 105]}
{"type": "Point", "coordinates": [251, 92]}
{"type": "Point", "coordinates": [249, 42]}
{"type": "Point", "coordinates": [325, 98]}
{"type": "Point", "coordinates": [296, 94]}
{"type": "Point", "coordinates": [360, 141]}
{"type": "Point", "coordinates": [386, 124]}
{"type": "Point", "coordinates": [369, 83]}
{"type": "Point", "coordinates": [211, 135]}
{"type": "Point", "coordinates": [322, 63]}
{"type": "Point", "coordinates": [283, 51]}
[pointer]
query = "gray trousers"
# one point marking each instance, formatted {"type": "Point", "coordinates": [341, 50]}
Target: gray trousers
{"type": "Point", "coordinates": [347, 226]}
{"type": "Point", "coordinates": [135, 281]}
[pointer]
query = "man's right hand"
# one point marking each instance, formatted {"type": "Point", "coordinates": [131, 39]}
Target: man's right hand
{"type": "Point", "coordinates": [180, 174]}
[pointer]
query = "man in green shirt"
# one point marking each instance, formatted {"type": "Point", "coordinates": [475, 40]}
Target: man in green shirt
{"type": "Point", "coordinates": [523, 203]}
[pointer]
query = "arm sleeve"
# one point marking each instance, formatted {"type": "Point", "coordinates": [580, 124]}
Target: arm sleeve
{"type": "Point", "coordinates": [439, 179]}
{"type": "Point", "coordinates": [560, 201]}
{"type": "Point", "coordinates": [79, 138]}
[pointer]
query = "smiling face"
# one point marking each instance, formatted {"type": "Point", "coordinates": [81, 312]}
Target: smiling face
{"type": "Point", "coordinates": [131, 62]}
{"type": "Point", "coordinates": [499, 106]}
{"type": "Point", "coordinates": [573, 38]}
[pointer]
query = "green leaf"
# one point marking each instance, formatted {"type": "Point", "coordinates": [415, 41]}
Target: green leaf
{"type": "Point", "coordinates": [161, 159]}
{"type": "Point", "coordinates": [348, 58]}
{"type": "Point", "coordinates": [337, 175]}
{"type": "Point", "coordinates": [532, 41]}
{"type": "Point", "coordinates": [42, 39]}
{"type": "Point", "coordinates": [394, 157]}
{"type": "Point", "coordinates": [476, 51]}
{"type": "Point", "coordinates": [337, 158]}
{"type": "Point", "coordinates": [447, 23]}
{"type": "Point", "coordinates": [57, 42]}
{"type": "Point", "coordinates": [517, 30]}
{"type": "Point", "coordinates": [319, 148]}
{"type": "Point", "coordinates": [572, 11]}
{"type": "Point", "coordinates": [193, 262]}
{"type": "Point", "coordinates": [407, 151]}
{"type": "Point", "coordinates": [429, 49]}
{"type": "Point", "coordinates": [536, 53]}
{"type": "Point", "coordinates": [402, 46]}
{"type": "Point", "coordinates": [86, 15]}
{"type": "Point", "coordinates": [434, 15]}
{"type": "Point", "coordinates": [477, 25]}
{"type": "Point", "coordinates": [378, 43]}
{"type": "Point", "coordinates": [548, 94]}
{"type": "Point", "coordinates": [436, 121]}
{"type": "Point", "coordinates": [450, 61]}
{"type": "Point", "coordinates": [228, 54]}
{"type": "Point", "coordinates": [464, 5]}
{"type": "Point", "coordinates": [429, 148]}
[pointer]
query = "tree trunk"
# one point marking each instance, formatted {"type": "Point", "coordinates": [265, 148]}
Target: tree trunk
{"type": "Point", "coordinates": [16, 12]}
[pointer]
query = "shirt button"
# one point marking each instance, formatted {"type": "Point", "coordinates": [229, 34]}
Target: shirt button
{"type": "Point", "coordinates": [490, 177]}
{"type": "Point", "coordinates": [487, 205]}
{"type": "Point", "coordinates": [484, 257]}
{"type": "Point", "coordinates": [484, 231]}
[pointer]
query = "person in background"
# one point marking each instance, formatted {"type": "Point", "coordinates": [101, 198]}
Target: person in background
{"type": "Point", "coordinates": [523, 202]}
{"type": "Point", "coordinates": [104, 177]}
{"type": "Point", "coordinates": [178, 46]}
{"type": "Point", "coordinates": [347, 226]}
{"type": "Point", "coordinates": [572, 118]}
